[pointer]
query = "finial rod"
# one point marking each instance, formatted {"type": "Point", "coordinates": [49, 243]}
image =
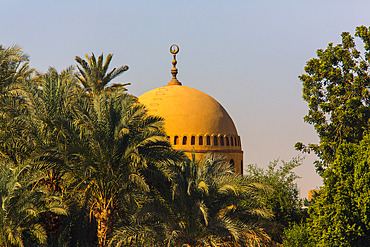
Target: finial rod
{"type": "Point", "coordinates": [174, 49]}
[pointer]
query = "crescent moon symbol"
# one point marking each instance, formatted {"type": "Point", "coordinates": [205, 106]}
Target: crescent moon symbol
{"type": "Point", "coordinates": [174, 49]}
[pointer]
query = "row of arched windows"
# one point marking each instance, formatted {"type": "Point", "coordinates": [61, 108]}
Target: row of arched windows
{"type": "Point", "coordinates": [207, 140]}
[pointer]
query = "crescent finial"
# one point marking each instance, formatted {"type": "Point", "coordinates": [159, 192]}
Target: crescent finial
{"type": "Point", "coordinates": [174, 49]}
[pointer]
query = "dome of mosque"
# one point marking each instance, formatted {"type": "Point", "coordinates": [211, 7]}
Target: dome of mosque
{"type": "Point", "coordinates": [188, 110]}
{"type": "Point", "coordinates": [194, 121]}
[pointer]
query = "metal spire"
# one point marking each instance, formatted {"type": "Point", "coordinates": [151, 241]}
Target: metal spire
{"type": "Point", "coordinates": [174, 49]}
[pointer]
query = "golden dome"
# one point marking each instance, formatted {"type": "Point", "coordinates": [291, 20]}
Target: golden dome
{"type": "Point", "coordinates": [194, 121]}
{"type": "Point", "coordinates": [188, 110]}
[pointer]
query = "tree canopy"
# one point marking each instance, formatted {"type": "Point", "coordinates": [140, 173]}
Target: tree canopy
{"type": "Point", "coordinates": [210, 205]}
{"type": "Point", "coordinates": [283, 197]}
{"type": "Point", "coordinates": [94, 76]}
{"type": "Point", "coordinates": [340, 213]}
{"type": "Point", "coordinates": [336, 88]}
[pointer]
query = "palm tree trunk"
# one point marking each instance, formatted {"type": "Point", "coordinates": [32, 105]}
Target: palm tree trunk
{"type": "Point", "coordinates": [52, 220]}
{"type": "Point", "coordinates": [103, 220]}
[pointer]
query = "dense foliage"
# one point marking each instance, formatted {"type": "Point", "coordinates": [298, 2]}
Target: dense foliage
{"type": "Point", "coordinates": [283, 199]}
{"type": "Point", "coordinates": [82, 163]}
{"type": "Point", "coordinates": [336, 88]}
{"type": "Point", "coordinates": [340, 214]}
{"type": "Point", "coordinates": [210, 205]}
{"type": "Point", "coordinates": [297, 235]}
{"type": "Point", "coordinates": [23, 205]}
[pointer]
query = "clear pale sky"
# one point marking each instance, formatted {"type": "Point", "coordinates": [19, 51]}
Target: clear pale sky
{"type": "Point", "coordinates": [245, 54]}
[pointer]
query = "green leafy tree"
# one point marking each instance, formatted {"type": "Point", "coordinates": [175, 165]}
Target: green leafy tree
{"type": "Point", "coordinates": [297, 235]}
{"type": "Point", "coordinates": [340, 213]}
{"type": "Point", "coordinates": [336, 88]}
{"type": "Point", "coordinates": [94, 76]}
{"type": "Point", "coordinates": [283, 199]}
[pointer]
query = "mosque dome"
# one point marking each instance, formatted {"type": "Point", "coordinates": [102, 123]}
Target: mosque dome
{"type": "Point", "coordinates": [194, 121]}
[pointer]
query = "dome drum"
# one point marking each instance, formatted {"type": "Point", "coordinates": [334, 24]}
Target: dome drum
{"type": "Point", "coordinates": [207, 141]}
{"type": "Point", "coordinates": [202, 144]}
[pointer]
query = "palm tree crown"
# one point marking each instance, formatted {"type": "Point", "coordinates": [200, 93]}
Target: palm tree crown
{"type": "Point", "coordinates": [13, 66]}
{"type": "Point", "coordinates": [210, 206]}
{"type": "Point", "coordinates": [118, 151]}
{"type": "Point", "coordinates": [94, 76]}
{"type": "Point", "coordinates": [23, 204]}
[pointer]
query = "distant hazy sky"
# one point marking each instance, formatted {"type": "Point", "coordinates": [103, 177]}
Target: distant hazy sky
{"type": "Point", "coordinates": [245, 54]}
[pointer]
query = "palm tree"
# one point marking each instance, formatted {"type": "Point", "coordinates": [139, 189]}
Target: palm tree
{"type": "Point", "coordinates": [46, 124]}
{"type": "Point", "coordinates": [13, 67]}
{"type": "Point", "coordinates": [46, 128]}
{"type": "Point", "coordinates": [23, 204]}
{"type": "Point", "coordinates": [51, 98]}
{"type": "Point", "coordinates": [211, 206]}
{"type": "Point", "coordinates": [117, 154]}
{"type": "Point", "coordinates": [94, 76]}
{"type": "Point", "coordinates": [14, 71]}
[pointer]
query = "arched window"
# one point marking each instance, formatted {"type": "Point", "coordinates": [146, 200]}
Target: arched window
{"type": "Point", "coordinates": [200, 140]}
{"type": "Point", "coordinates": [232, 141]}
{"type": "Point", "coordinates": [215, 141]}
{"type": "Point", "coordinates": [235, 141]}
{"type": "Point", "coordinates": [227, 141]}
{"type": "Point", "coordinates": [192, 141]}
{"type": "Point", "coordinates": [222, 141]}
{"type": "Point", "coordinates": [239, 144]}
{"type": "Point", "coordinates": [232, 162]}
{"type": "Point", "coordinates": [208, 140]}
{"type": "Point", "coordinates": [241, 167]}
{"type": "Point", "coordinates": [176, 140]}
{"type": "Point", "coordinates": [184, 140]}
